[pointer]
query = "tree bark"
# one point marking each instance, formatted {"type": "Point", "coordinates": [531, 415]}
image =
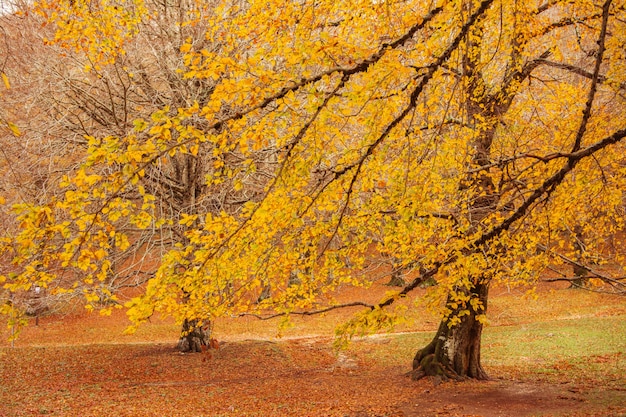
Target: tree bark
{"type": "Point", "coordinates": [454, 352]}
{"type": "Point", "coordinates": [194, 336]}
{"type": "Point", "coordinates": [580, 272]}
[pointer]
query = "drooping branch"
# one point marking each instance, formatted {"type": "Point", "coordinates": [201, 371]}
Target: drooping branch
{"type": "Point", "coordinates": [573, 281]}
{"type": "Point", "coordinates": [594, 80]}
{"type": "Point", "coordinates": [308, 313]}
{"type": "Point", "coordinates": [593, 273]}
{"type": "Point", "coordinates": [544, 190]}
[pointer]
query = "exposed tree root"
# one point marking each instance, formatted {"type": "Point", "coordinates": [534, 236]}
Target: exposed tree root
{"type": "Point", "coordinates": [429, 366]}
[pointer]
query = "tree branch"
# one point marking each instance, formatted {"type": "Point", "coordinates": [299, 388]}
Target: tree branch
{"type": "Point", "coordinates": [594, 79]}
{"type": "Point", "coordinates": [308, 313]}
{"type": "Point", "coordinates": [544, 190]}
{"type": "Point", "coordinates": [416, 93]}
{"type": "Point", "coordinates": [594, 273]}
{"type": "Point", "coordinates": [345, 71]}
{"type": "Point", "coordinates": [578, 71]}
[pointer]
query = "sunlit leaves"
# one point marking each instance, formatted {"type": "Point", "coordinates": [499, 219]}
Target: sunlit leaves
{"type": "Point", "coordinates": [99, 29]}
{"type": "Point", "coordinates": [312, 155]}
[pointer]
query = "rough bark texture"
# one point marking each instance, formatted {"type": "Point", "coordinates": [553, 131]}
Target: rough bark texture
{"type": "Point", "coordinates": [194, 336]}
{"type": "Point", "coordinates": [454, 352]}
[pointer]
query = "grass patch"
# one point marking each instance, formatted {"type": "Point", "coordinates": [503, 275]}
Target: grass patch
{"type": "Point", "coordinates": [588, 349]}
{"type": "Point", "coordinates": [543, 348]}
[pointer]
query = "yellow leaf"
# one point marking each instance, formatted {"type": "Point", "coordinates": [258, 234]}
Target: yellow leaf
{"type": "Point", "coordinates": [187, 219]}
{"type": "Point", "coordinates": [5, 79]}
{"type": "Point", "coordinates": [14, 129]}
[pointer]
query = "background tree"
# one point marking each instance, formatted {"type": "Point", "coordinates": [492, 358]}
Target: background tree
{"type": "Point", "coordinates": [463, 137]}
{"type": "Point", "coordinates": [90, 94]}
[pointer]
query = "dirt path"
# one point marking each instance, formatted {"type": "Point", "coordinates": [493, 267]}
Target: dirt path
{"type": "Point", "coordinates": [494, 399]}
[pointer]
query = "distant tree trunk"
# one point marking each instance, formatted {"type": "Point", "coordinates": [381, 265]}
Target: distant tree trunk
{"type": "Point", "coordinates": [396, 279]}
{"type": "Point", "coordinates": [580, 272]}
{"type": "Point", "coordinates": [194, 336]}
{"type": "Point", "coordinates": [265, 293]}
{"type": "Point", "coordinates": [454, 352]}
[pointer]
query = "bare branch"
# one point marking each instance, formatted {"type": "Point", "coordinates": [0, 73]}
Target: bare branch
{"type": "Point", "coordinates": [578, 71]}
{"type": "Point", "coordinates": [592, 272]}
{"type": "Point", "coordinates": [308, 313]}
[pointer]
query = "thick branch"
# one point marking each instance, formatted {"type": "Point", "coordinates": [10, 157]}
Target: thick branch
{"type": "Point", "coordinates": [549, 185]}
{"type": "Point", "coordinates": [545, 189]}
{"type": "Point", "coordinates": [594, 79]}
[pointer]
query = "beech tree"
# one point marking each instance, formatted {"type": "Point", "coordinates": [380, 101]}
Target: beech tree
{"type": "Point", "coordinates": [111, 99]}
{"type": "Point", "coordinates": [464, 139]}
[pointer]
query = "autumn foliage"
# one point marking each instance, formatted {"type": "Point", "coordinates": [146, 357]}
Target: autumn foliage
{"type": "Point", "coordinates": [256, 157]}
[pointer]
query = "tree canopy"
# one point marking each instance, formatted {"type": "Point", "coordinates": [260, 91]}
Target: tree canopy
{"type": "Point", "coordinates": [282, 147]}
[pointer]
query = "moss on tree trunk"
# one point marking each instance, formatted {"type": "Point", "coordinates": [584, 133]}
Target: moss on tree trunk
{"type": "Point", "coordinates": [454, 352]}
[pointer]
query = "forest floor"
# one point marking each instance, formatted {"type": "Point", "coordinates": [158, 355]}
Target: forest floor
{"type": "Point", "coordinates": [562, 354]}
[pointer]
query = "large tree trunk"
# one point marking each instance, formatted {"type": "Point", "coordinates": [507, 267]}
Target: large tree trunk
{"type": "Point", "coordinates": [194, 336]}
{"type": "Point", "coordinates": [454, 352]}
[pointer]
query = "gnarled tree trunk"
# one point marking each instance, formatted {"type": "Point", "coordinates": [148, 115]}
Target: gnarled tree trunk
{"type": "Point", "coordinates": [194, 336]}
{"type": "Point", "coordinates": [454, 352]}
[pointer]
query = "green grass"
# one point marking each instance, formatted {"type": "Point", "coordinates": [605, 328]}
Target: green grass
{"type": "Point", "coordinates": [586, 354]}
{"type": "Point", "coordinates": [571, 348]}
{"type": "Point", "coordinates": [545, 347]}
